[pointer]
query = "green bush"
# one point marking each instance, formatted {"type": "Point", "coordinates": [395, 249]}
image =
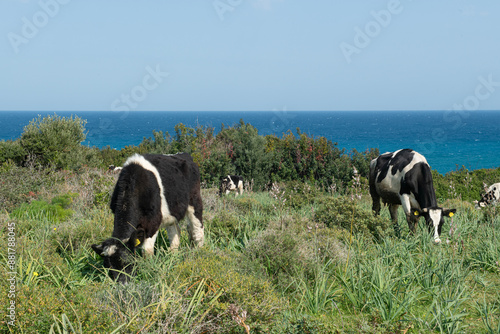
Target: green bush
{"type": "Point", "coordinates": [282, 253]}
{"type": "Point", "coordinates": [246, 204]}
{"type": "Point", "coordinates": [11, 151]}
{"type": "Point", "coordinates": [344, 213]}
{"type": "Point", "coordinates": [464, 184]}
{"type": "Point", "coordinates": [300, 194]}
{"type": "Point", "coordinates": [23, 184]}
{"type": "Point", "coordinates": [242, 288]}
{"type": "Point", "coordinates": [225, 225]}
{"type": "Point", "coordinates": [54, 140]}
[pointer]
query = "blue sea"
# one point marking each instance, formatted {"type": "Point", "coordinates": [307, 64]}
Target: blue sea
{"type": "Point", "coordinates": [448, 139]}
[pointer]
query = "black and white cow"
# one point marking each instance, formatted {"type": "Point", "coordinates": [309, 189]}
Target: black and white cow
{"type": "Point", "coordinates": [152, 190]}
{"type": "Point", "coordinates": [404, 178]}
{"type": "Point", "coordinates": [114, 169]}
{"type": "Point", "coordinates": [491, 197]}
{"type": "Point", "coordinates": [231, 183]}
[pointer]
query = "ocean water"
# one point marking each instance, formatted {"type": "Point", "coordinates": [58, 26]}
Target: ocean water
{"type": "Point", "coordinates": [448, 139]}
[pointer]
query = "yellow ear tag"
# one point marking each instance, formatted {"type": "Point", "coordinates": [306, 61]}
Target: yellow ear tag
{"type": "Point", "coordinates": [137, 242]}
{"type": "Point", "coordinates": [451, 214]}
{"type": "Point", "coordinates": [415, 213]}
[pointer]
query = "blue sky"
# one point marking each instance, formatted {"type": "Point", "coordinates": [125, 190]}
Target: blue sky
{"type": "Point", "coordinates": [242, 55]}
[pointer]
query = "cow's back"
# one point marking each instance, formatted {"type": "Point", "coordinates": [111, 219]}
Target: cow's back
{"type": "Point", "coordinates": [180, 178]}
{"type": "Point", "coordinates": [402, 172]}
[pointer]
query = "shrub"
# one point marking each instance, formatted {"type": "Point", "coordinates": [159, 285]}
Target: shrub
{"type": "Point", "coordinates": [344, 213]}
{"type": "Point", "coordinates": [54, 140]}
{"type": "Point", "coordinates": [464, 184]}
{"type": "Point", "coordinates": [282, 253]}
{"type": "Point", "coordinates": [241, 287]}
{"type": "Point", "coordinates": [225, 225]}
{"type": "Point", "coordinates": [23, 184]}
{"type": "Point", "coordinates": [245, 204]}
{"type": "Point", "coordinates": [11, 151]}
{"type": "Point", "coordinates": [35, 311]}
{"type": "Point", "coordinates": [300, 194]}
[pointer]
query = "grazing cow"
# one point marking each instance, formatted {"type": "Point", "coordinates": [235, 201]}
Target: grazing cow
{"type": "Point", "coordinates": [491, 197]}
{"type": "Point", "coordinates": [404, 178]}
{"type": "Point", "coordinates": [231, 183]}
{"type": "Point", "coordinates": [114, 169]}
{"type": "Point", "coordinates": [152, 190]}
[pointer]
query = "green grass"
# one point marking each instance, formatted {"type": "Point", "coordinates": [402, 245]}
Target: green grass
{"type": "Point", "coordinates": [268, 266]}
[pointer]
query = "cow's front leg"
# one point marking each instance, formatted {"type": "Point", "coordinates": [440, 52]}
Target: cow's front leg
{"type": "Point", "coordinates": [408, 203]}
{"type": "Point", "coordinates": [174, 236]}
{"type": "Point", "coordinates": [149, 244]}
{"type": "Point", "coordinates": [412, 220]}
{"type": "Point", "coordinates": [393, 210]}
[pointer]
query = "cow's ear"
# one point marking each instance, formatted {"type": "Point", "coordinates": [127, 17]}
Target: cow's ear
{"type": "Point", "coordinates": [416, 212]}
{"type": "Point", "coordinates": [449, 213]}
{"type": "Point", "coordinates": [97, 248]}
{"type": "Point", "coordinates": [137, 238]}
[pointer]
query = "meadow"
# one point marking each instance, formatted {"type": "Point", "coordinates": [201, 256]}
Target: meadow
{"type": "Point", "coordinates": [301, 256]}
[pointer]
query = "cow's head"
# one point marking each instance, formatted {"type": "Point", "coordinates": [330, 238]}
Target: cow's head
{"type": "Point", "coordinates": [117, 254]}
{"type": "Point", "coordinates": [434, 217]}
{"type": "Point", "coordinates": [224, 185]}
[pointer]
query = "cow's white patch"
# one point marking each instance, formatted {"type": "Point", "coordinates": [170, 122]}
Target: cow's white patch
{"type": "Point", "coordinates": [408, 201]}
{"type": "Point", "coordinates": [435, 215]}
{"type": "Point", "coordinates": [138, 159]}
{"type": "Point", "coordinates": [232, 186]}
{"type": "Point", "coordinates": [109, 250]}
{"type": "Point", "coordinates": [494, 189]}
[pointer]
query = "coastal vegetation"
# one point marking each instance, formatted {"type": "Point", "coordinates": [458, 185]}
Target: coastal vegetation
{"type": "Point", "coordinates": [299, 252]}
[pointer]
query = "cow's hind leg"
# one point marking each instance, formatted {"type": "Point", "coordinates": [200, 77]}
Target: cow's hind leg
{"type": "Point", "coordinates": [393, 210]}
{"type": "Point", "coordinates": [195, 226]}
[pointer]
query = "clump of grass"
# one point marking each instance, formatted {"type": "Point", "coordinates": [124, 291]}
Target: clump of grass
{"type": "Point", "coordinates": [57, 211]}
{"type": "Point", "coordinates": [345, 213]}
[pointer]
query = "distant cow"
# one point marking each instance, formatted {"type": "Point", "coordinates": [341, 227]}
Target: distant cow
{"type": "Point", "coordinates": [114, 169]}
{"type": "Point", "coordinates": [152, 190]}
{"type": "Point", "coordinates": [404, 178]}
{"type": "Point", "coordinates": [231, 183]}
{"type": "Point", "coordinates": [491, 197]}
